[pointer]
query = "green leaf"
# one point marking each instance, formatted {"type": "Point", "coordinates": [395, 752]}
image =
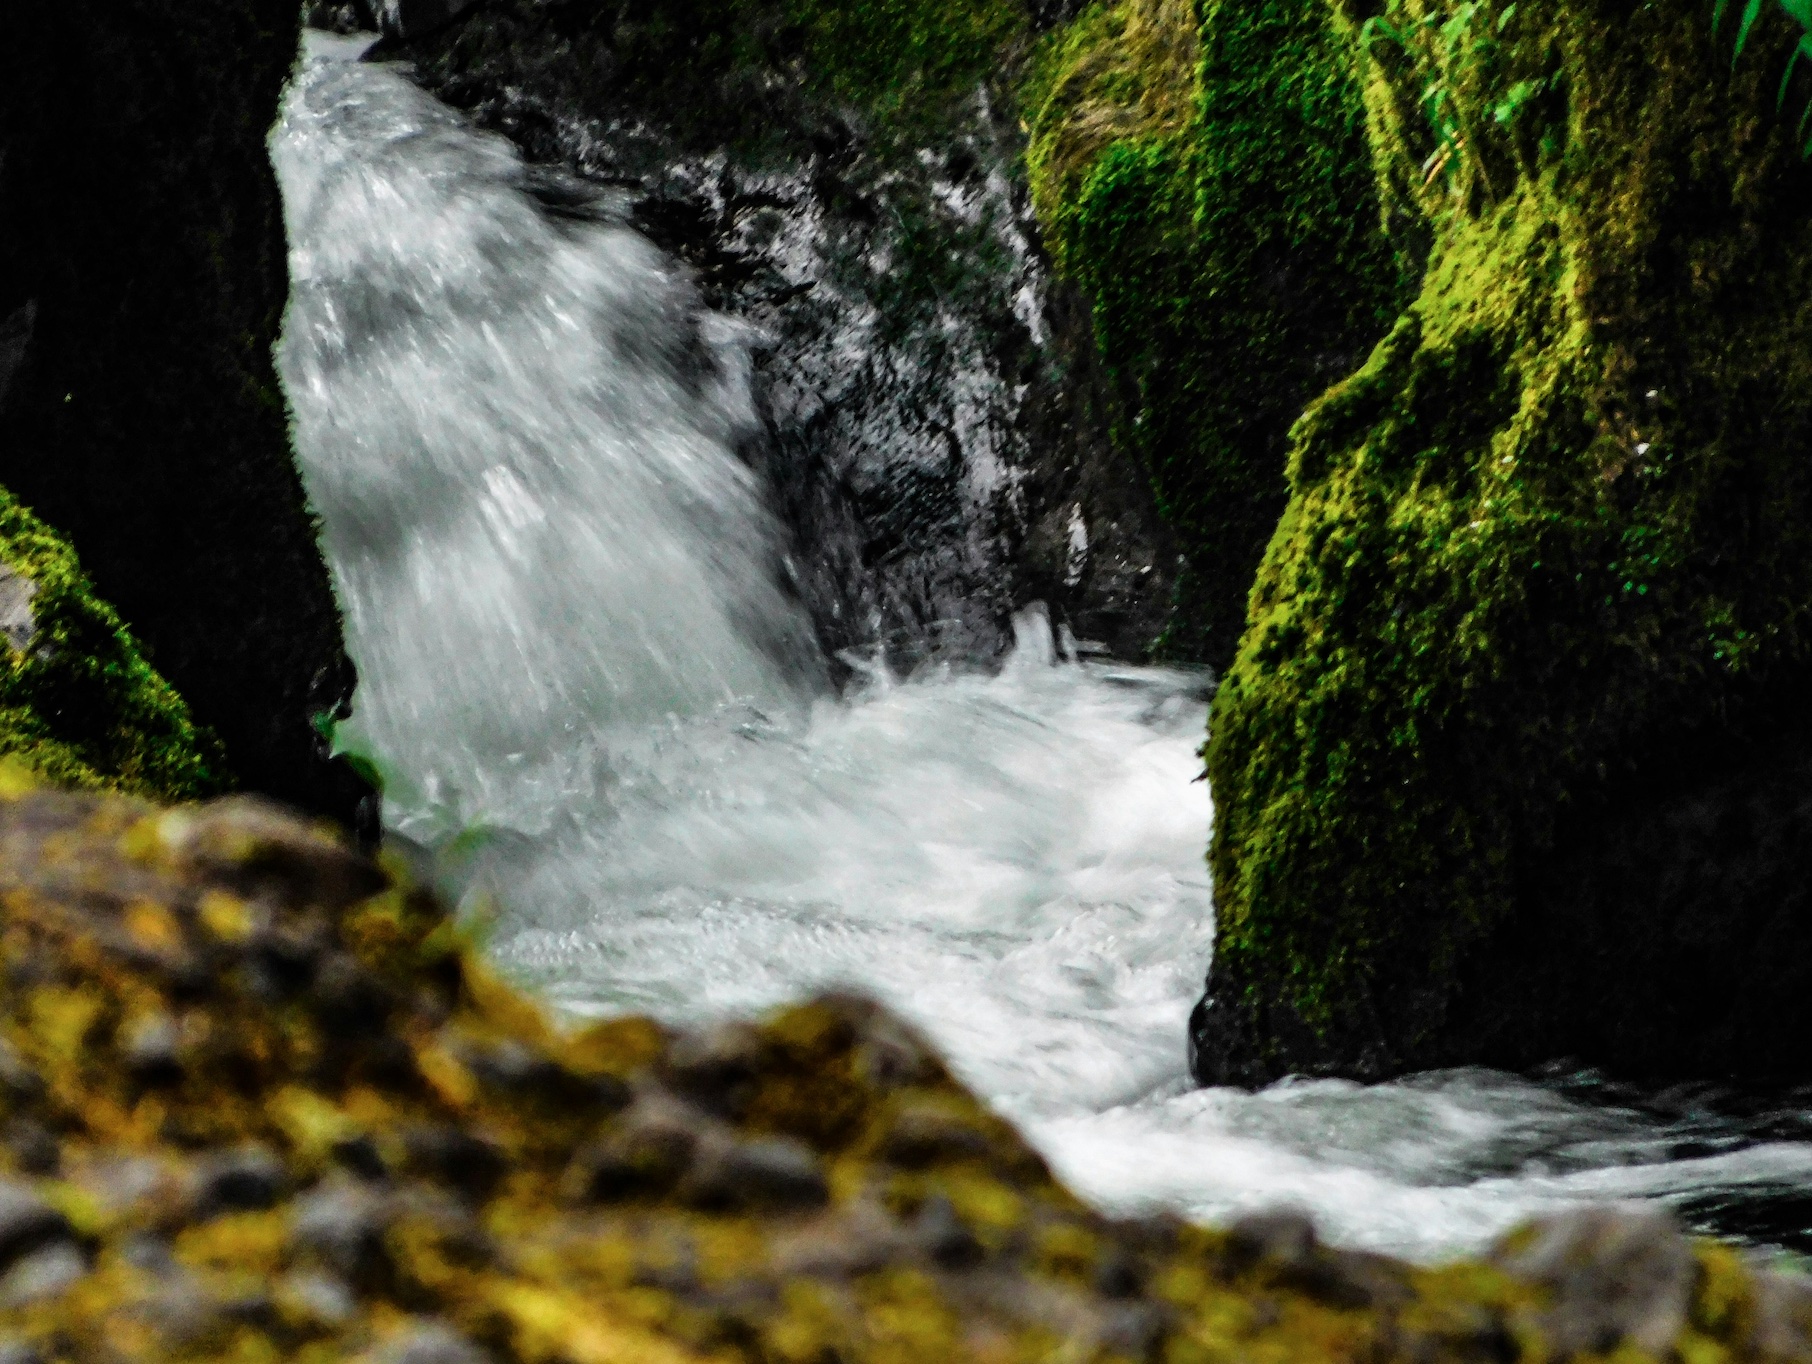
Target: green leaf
{"type": "Point", "coordinates": [1780, 98]}
{"type": "Point", "coordinates": [1751, 11]}
{"type": "Point", "coordinates": [1509, 13]}
{"type": "Point", "coordinates": [1717, 14]}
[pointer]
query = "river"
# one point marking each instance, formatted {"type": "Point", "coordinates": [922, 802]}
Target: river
{"type": "Point", "coordinates": [597, 705]}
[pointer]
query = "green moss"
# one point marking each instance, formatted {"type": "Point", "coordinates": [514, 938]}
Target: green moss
{"type": "Point", "coordinates": [1208, 187]}
{"type": "Point", "coordinates": [78, 702]}
{"type": "Point", "coordinates": [1541, 583]}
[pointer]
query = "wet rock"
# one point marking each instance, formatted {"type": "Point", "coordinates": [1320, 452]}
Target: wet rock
{"type": "Point", "coordinates": [1614, 1275]}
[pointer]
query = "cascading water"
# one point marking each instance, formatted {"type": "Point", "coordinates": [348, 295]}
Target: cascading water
{"type": "Point", "coordinates": [572, 620]}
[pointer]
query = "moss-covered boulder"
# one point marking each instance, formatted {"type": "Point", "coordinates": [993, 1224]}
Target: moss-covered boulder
{"type": "Point", "coordinates": [78, 702]}
{"type": "Point", "coordinates": [142, 281]}
{"type": "Point", "coordinates": [1513, 761]}
{"type": "Point", "coordinates": [1202, 172]}
{"type": "Point", "coordinates": [259, 1100]}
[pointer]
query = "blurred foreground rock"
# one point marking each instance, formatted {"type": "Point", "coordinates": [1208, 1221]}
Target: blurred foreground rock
{"type": "Point", "coordinates": [261, 1101]}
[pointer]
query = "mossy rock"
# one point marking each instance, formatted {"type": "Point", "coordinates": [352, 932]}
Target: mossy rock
{"type": "Point", "coordinates": [261, 1100]}
{"type": "Point", "coordinates": [1202, 173]}
{"type": "Point", "coordinates": [1512, 762]}
{"type": "Point", "coordinates": [78, 702]}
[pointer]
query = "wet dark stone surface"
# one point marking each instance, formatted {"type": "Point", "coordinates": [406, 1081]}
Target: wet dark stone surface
{"type": "Point", "coordinates": [935, 419]}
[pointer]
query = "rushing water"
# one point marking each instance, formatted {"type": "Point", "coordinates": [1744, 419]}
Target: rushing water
{"type": "Point", "coordinates": [594, 694]}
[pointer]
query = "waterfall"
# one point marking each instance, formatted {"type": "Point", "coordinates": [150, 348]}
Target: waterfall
{"type": "Point", "coordinates": [590, 686]}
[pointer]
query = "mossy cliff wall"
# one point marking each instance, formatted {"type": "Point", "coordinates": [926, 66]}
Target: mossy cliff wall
{"type": "Point", "coordinates": [142, 281]}
{"type": "Point", "coordinates": [1202, 172]}
{"type": "Point", "coordinates": [1513, 762]}
{"type": "Point", "coordinates": [260, 1101]}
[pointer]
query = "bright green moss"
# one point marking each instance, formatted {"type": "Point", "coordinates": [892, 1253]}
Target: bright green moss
{"type": "Point", "coordinates": [1541, 583]}
{"type": "Point", "coordinates": [78, 701]}
{"type": "Point", "coordinates": [1208, 187]}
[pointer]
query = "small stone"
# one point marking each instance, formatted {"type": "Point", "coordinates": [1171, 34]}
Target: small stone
{"type": "Point", "coordinates": [360, 1156]}
{"type": "Point", "coordinates": [34, 1147]}
{"type": "Point", "coordinates": [343, 1223]}
{"type": "Point", "coordinates": [151, 1048]}
{"type": "Point", "coordinates": [19, 1352]}
{"type": "Point", "coordinates": [651, 1149]}
{"type": "Point", "coordinates": [927, 1135]}
{"type": "Point", "coordinates": [430, 1342]}
{"type": "Point", "coordinates": [18, 1078]}
{"type": "Point", "coordinates": [456, 1158]}
{"type": "Point", "coordinates": [716, 1068]}
{"type": "Point", "coordinates": [1284, 1237]}
{"type": "Point", "coordinates": [316, 1297]}
{"type": "Point", "coordinates": [1783, 1317]}
{"type": "Point", "coordinates": [44, 1273]}
{"type": "Point", "coordinates": [772, 1174]}
{"type": "Point", "coordinates": [1614, 1275]}
{"type": "Point", "coordinates": [27, 1222]}
{"type": "Point", "coordinates": [943, 1235]}
{"type": "Point", "coordinates": [247, 1180]}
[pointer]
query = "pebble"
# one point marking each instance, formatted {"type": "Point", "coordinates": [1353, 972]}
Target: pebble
{"type": "Point", "coordinates": [1615, 1276]}
{"type": "Point", "coordinates": [42, 1274]}
{"type": "Point", "coordinates": [26, 1221]}
{"type": "Point", "coordinates": [431, 1342]}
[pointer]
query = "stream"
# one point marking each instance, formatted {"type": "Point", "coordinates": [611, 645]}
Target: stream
{"type": "Point", "coordinates": [598, 706]}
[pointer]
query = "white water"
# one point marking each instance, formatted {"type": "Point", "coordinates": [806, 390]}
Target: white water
{"type": "Point", "coordinates": [568, 611]}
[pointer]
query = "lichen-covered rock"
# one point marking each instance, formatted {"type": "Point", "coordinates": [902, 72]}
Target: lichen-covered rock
{"type": "Point", "coordinates": [1512, 762]}
{"type": "Point", "coordinates": [142, 281]}
{"type": "Point", "coordinates": [78, 702]}
{"type": "Point", "coordinates": [1201, 172]}
{"type": "Point", "coordinates": [259, 1100]}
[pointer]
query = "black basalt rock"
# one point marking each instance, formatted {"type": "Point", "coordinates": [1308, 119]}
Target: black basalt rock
{"type": "Point", "coordinates": [142, 283]}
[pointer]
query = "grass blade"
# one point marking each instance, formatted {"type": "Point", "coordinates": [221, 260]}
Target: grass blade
{"type": "Point", "coordinates": [1751, 11]}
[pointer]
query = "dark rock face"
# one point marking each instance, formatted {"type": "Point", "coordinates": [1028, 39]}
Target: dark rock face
{"type": "Point", "coordinates": [142, 280]}
{"type": "Point", "coordinates": [936, 424]}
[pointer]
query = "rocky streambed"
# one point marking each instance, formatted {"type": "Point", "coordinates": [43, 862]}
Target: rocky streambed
{"type": "Point", "coordinates": [264, 1101]}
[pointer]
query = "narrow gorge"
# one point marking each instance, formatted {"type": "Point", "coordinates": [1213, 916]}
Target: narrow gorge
{"type": "Point", "coordinates": [798, 484]}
